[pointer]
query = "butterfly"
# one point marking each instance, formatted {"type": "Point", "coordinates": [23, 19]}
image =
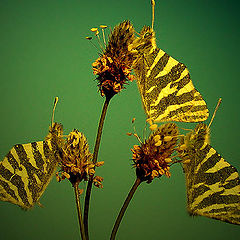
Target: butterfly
{"type": "Point", "coordinates": [213, 185]}
{"type": "Point", "coordinates": [27, 169]}
{"type": "Point", "coordinates": [165, 86]}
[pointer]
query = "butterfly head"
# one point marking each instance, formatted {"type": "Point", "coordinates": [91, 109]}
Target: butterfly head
{"type": "Point", "coordinates": [145, 42]}
{"type": "Point", "coordinates": [56, 129]}
{"type": "Point", "coordinates": [198, 137]}
{"type": "Point", "coordinates": [55, 132]}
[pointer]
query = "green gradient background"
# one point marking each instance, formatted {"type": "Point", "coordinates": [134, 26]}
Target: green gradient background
{"type": "Point", "coordinates": [43, 54]}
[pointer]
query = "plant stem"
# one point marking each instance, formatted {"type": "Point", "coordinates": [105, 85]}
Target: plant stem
{"type": "Point", "coordinates": [95, 155]}
{"type": "Point", "coordinates": [124, 208]}
{"type": "Point", "coordinates": [80, 220]}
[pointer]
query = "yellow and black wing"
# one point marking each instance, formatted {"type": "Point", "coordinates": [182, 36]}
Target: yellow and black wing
{"type": "Point", "coordinates": [213, 185]}
{"type": "Point", "coordinates": [26, 171]}
{"type": "Point", "coordinates": [164, 84]}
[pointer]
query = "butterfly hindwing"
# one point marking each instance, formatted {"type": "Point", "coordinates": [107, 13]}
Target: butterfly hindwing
{"type": "Point", "coordinates": [213, 185]}
{"type": "Point", "coordinates": [164, 84]}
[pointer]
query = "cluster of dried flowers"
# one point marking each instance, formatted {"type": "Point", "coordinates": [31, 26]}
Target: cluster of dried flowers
{"type": "Point", "coordinates": [76, 162]}
{"type": "Point", "coordinates": [152, 157]}
{"type": "Point", "coordinates": [113, 67]}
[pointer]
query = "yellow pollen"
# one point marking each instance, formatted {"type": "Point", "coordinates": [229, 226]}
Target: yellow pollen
{"type": "Point", "coordinates": [186, 161]}
{"type": "Point", "coordinates": [158, 143]}
{"type": "Point", "coordinates": [153, 127]}
{"type": "Point", "coordinates": [161, 171]}
{"type": "Point", "coordinates": [103, 26]}
{"type": "Point", "coordinates": [156, 138]}
{"type": "Point", "coordinates": [94, 29]}
{"type": "Point", "coordinates": [168, 160]}
{"type": "Point", "coordinates": [182, 147]}
{"type": "Point", "coordinates": [98, 164]}
{"type": "Point", "coordinates": [167, 138]}
{"type": "Point", "coordinates": [149, 120]}
{"type": "Point", "coordinates": [154, 173]}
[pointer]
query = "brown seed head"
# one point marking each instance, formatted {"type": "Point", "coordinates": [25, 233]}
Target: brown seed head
{"type": "Point", "coordinates": [113, 68]}
{"type": "Point", "coordinates": [151, 158]}
{"type": "Point", "coordinates": [76, 164]}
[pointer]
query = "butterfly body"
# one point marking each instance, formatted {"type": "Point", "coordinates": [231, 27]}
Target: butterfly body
{"type": "Point", "coordinates": [28, 168]}
{"type": "Point", "coordinates": [213, 185]}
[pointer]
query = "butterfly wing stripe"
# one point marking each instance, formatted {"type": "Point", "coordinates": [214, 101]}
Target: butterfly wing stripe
{"type": "Point", "coordinates": [157, 66]}
{"type": "Point", "coordinates": [37, 151]}
{"type": "Point", "coordinates": [221, 212]}
{"type": "Point", "coordinates": [215, 198]}
{"type": "Point", "coordinates": [159, 55]}
{"type": "Point", "coordinates": [9, 193]}
{"type": "Point", "coordinates": [178, 111]}
{"type": "Point", "coordinates": [34, 166]}
{"type": "Point", "coordinates": [166, 89]}
{"type": "Point", "coordinates": [13, 186]}
{"type": "Point", "coordinates": [186, 89]}
{"type": "Point", "coordinates": [170, 67]}
{"type": "Point", "coordinates": [219, 165]}
{"type": "Point", "coordinates": [233, 176]}
{"type": "Point", "coordinates": [28, 170]}
{"type": "Point", "coordinates": [211, 161]}
{"type": "Point", "coordinates": [44, 166]}
{"type": "Point", "coordinates": [9, 190]}
{"type": "Point", "coordinates": [210, 153]}
{"type": "Point", "coordinates": [215, 191]}
{"type": "Point", "coordinates": [171, 94]}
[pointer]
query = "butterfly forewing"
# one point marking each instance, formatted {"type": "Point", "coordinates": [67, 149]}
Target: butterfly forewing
{"type": "Point", "coordinates": [213, 185]}
{"type": "Point", "coordinates": [165, 86]}
{"type": "Point", "coordinates": [28, 168]}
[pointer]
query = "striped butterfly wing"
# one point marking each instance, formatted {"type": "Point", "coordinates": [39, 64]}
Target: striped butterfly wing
{"type": "Point", "coordinates": [26, 171]}
{"type": "Point", "coordinates": [213, 185]}
{"type": "Point", "coordinates": [164, 84]}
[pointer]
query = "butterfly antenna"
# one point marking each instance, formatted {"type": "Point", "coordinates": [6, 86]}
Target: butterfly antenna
{"type": "Point", "coordinates": [153, 11]}
{"type": "Point", "coordinates": [54, 107]}
{"type": "Point", "coordinates": [213, 116]}
{"type": "Point", "coordinates": [104, 39]}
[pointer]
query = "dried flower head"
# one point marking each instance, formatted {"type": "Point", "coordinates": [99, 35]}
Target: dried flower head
{"type": "Point", "coordinates": [76, 164]}
{"type": "Point", "coordinates": [151, 159]}
{"type": "Point", "coordinates": [113, 68]}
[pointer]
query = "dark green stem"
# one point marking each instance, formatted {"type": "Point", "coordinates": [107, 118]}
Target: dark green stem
{"type": "Point", "coordinates": [95, 155]}
{"type": "Point", "coordinates": [80, 220]}
{"type": "Point", "coordinates": [124, 207]}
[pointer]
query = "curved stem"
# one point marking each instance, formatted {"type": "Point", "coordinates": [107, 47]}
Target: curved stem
{"type": "Point", "coordinates": [124, 208]}
{"type": "Point", "coordinates": [95, 155]}
{"type": "Point", "coordinates": [80, 220]}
